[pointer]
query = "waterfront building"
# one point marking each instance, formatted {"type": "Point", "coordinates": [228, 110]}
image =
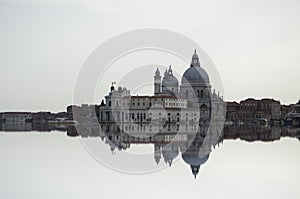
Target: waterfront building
{"type": "Point", "coordinates": [84, 113]}
{"type": "Point", "coordinates": [232, 110]}
{"type": "Point", "coordinates": [285, 109]}
{"type": "Point", "coordinates": [252, 110]}
{"type": "Point", "coordinates": [42, 117]}
{"type": "Point", "coordinates": [191, 101]}
{"type": "Point", "coordinates": [294, 116]}
{"type": "Point", "coordinates": [16, 117]}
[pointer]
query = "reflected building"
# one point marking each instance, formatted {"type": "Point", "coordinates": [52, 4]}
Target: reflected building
{"type": "Point", "coordinates": [192, 147]}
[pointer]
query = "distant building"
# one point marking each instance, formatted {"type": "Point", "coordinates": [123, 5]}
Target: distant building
{"type": "Point", "coordinates": [271, 108]}
{"type": "Point", "coordinates": [16, 117]}
{"type": "Point", "coordinates": [42, 117]}
{"type": "Point", "coordinates": [232, 111]}
{"type": "Point", "coordinates": [83, 113]}
{"type": "Point", "coordinates": [252, 110]}
{"type": "Point", "coordinates": [294, 116]}
{"type": "Point", "coordinates": [285, 109]}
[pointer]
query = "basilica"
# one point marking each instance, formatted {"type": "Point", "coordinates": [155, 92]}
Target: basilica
{"type": "Point", "coordinates": [191, 101]}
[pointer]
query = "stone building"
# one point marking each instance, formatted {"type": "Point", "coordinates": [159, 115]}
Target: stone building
{"type": "Point", "coordinates": [294, 116]}
{"type": "Point", "coordinates": [232, 110]}
{"type": "Point", "coordinates": [252, 110]}
{"type": "Point", "coordinates": [16, 117]}
{"type": "Point", "coordinates": [191, 101]}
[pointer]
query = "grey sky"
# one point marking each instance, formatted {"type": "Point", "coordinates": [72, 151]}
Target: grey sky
{"type": "Point", "coordinates": [254, 44]}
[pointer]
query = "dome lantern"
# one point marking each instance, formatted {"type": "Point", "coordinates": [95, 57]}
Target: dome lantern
{"type": "Point", "coordinates": [157, 73]}
{"type": "Point", "coordinates": [195, 60]}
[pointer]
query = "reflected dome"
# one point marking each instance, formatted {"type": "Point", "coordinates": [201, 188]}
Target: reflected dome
{"type": "Point", "coordinates": [169, 153]}
{"type": "Point", "coordinates": [195, 160]}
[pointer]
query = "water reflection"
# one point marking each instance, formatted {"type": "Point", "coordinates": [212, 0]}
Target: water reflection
{"type": "Point", "coordinates": [193, 148]}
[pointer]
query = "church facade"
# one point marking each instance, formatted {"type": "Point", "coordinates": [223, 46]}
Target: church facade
{"type": "Point", "coordinates": [190, 102]}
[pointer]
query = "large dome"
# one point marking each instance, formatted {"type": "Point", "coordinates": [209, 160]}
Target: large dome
{"type": "Point", "coordinates": [195, 75]}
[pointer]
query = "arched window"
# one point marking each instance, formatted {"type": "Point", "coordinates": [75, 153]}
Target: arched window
{"type": "Point", "coordinates": [202, 94]}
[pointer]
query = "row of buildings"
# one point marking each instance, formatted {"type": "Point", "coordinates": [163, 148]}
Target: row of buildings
{"type": "Point", "coordinates": [255, 110]}
{"type": "Point", "coordinates": [30, 117]}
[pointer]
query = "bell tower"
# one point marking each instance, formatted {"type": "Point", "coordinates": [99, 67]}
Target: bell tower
{"type": "Point", "coordinates": [157, 82]}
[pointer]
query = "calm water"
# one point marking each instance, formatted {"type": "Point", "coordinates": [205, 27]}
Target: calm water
{"type": "Point", "coordinates": [53, 165]}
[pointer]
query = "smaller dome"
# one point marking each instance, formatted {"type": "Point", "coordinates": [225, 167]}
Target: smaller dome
{"type": "Point", "coordinates": [169, 79]}
{"type": "Point", "coordinates": [169, 153]}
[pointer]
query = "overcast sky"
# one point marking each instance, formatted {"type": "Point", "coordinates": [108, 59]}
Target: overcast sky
{"type": "Point", "coordinates": [253, 44]}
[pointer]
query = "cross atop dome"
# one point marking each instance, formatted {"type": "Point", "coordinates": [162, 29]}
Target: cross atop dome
{"type": "Point", "coordinates": [157, 73]}
{"type": "Point", "coordinates": [195, 60]}
{"type": "Point", "coordinates": [170, 70]}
